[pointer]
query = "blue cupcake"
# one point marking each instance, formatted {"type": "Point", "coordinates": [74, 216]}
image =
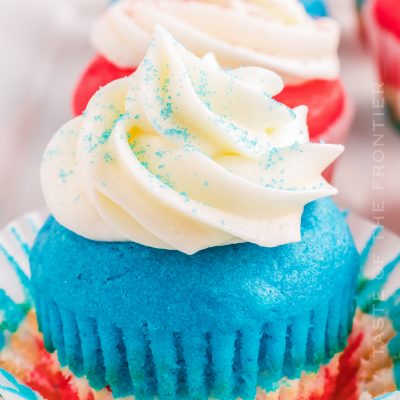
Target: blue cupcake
{"type": "Point", "coordinates": [189, 254]}
{"type": "Point", "coordinates": [217, 323]}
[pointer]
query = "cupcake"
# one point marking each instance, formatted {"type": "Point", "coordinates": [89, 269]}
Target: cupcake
{"type": "Point", "coordinates": [265, 34]}
{"type": "Point", "coordinates": [316, 8]}
{"type": "Point", "coordinates": [382, 22]}
{"type": "Point", "coordinates": [192, 251]}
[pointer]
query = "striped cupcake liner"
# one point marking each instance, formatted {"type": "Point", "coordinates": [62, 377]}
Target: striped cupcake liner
{"type": "Point", "coordinates": [42, 371]}
{"type": "Point", "coordinates": [12, 389]}
{"type": "Point", "coordinates": [232, 363]}
{"type": "Point", "coordinates": [365, 367]}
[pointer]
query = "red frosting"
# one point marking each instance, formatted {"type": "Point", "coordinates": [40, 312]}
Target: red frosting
{"type": "Point", "coordinates": [99, 72]}
{"type": "Point", "coordinates": [325, 101]}
{"type": "Point", "coordinates": [388, 15]}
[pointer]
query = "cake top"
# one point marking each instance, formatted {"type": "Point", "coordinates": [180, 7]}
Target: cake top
{"type": "Point", "coordinates": [185, 155]}
{"type": "Point", "coordinates": [274, 34]}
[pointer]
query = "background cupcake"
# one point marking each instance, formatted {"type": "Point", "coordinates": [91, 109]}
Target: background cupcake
{"type": "Point", "coordinates": [382, 22]}
{"type": "Point", "coordinates": [265, 34]}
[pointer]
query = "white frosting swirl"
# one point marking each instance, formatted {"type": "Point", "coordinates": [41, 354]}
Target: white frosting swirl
{"type": "Point", "coordinates": [274, 34]}
{"type": "Point", "coordinates": [184, 155]}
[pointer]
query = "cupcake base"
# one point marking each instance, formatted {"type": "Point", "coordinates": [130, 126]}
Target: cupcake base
{"type": "Point", "coordinates": [123, 371]}
{"type": "Point", "coordinates": [365, 366]}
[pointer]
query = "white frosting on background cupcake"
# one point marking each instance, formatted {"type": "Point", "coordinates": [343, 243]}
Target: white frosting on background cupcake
{"type": "Point", "coordinates": [274, 34]}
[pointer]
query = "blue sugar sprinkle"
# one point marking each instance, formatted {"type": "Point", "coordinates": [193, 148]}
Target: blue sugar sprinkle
{"type": "Point", "coordinates": [165, 180]}
{"type": "Point", "coordinates": [185, 196]}
{"type": "Point", "coordinates": [177, 132]}
{"type": "Point", "coordinates": [51, 154]}
{"type": "Point", "coordinates": [104, 136]}
{"type": "Point", "coordinates": [63, 175]}
{"type": "Point", "coordinates": [166, 111]}
{"type": "Point", "coordinates": [98, 118]}
{"type": "Point", "coordinates": [107, 157]}
{"type": "Point", "coordinates": [160, 153]}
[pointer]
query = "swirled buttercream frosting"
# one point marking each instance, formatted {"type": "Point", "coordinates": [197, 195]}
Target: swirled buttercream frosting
{"type": "Point", "coordinates": [274, 34]}
{"type": "Point", "coordinates": [185, 155]}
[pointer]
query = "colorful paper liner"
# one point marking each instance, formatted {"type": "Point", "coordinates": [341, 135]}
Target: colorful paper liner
{"type": "Point", "coordinates": [131, 368]}
{"type": "Point", "coordinates": [385, 48]}
{"type": "Point", "coordinates": [368, 367]}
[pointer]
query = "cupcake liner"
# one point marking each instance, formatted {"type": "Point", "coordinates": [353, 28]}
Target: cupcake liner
{"type": "Point", "coordinates": [385, 48]}
{"type": "Point", "coordinates": [16, 240]}
{"type": "Point", "coordinates": [25, 356]}
{"type": "Point", "coordinates": [358, 369]}
{"type": "Point", "coordinates": [11, 389]}
{"type": "Point", "coordinates": [165, 362]}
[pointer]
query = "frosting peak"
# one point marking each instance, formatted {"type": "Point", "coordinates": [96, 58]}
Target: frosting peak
{"type": "Point", "coordinates": [274, 34]}
{"type": "Point", "coordinates": [184, 155]}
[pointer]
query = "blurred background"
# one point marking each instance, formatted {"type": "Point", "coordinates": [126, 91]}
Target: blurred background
{"type": "Point", "coordinates": [44, 48]}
